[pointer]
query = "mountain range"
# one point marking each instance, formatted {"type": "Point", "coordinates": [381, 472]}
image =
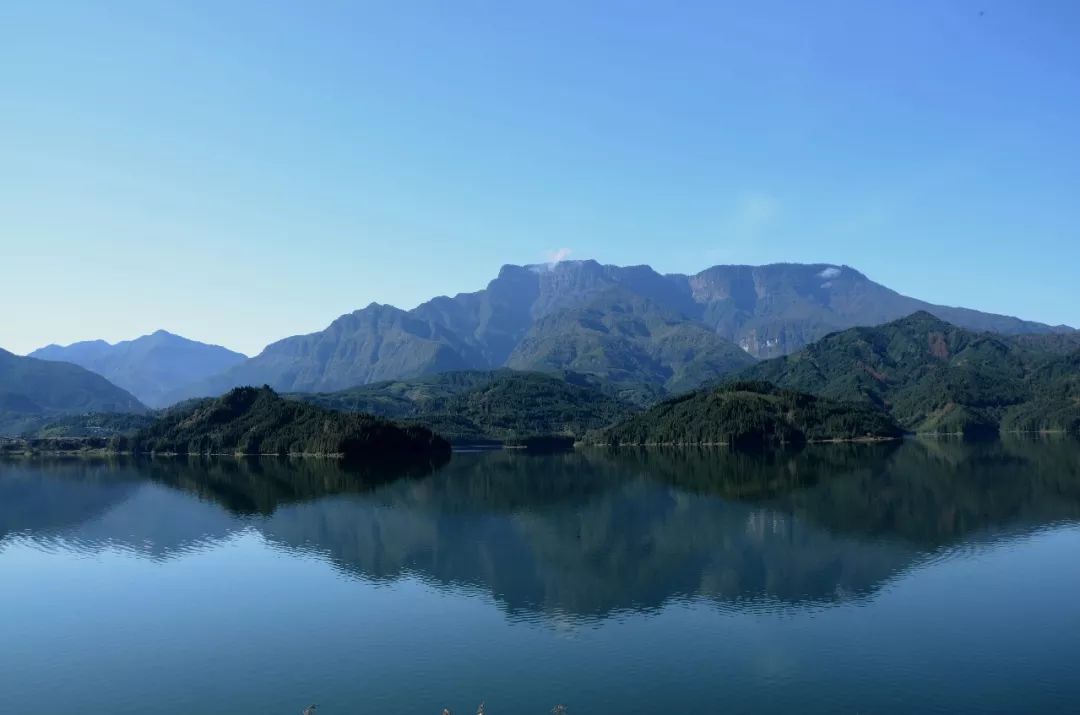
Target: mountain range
{"type": "Point", "coordinates": [629, 324]}
{"type": "Point", "coordinates": [647, 333]}
{"type": "Point", "coordinates": [149, 367]}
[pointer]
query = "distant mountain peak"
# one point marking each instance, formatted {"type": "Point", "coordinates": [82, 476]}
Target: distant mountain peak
{"type": "Point", "coordinates": [626, 322]}
{"type": "Point", "coordinates": [148, 366]}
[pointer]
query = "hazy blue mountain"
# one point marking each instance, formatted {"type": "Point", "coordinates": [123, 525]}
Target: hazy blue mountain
{"type": "Point", "coordinates": [628, 323]}
{"type": "Point", "coordinates": [776, 309]}
{"type": "Point", "coordinates": [33, 390]}
{"type": "Point", "coordinates": [149, 367]}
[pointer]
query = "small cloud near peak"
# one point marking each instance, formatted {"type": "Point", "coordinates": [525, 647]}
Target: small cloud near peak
{"type": "Point", "coordinates": [558, 255]}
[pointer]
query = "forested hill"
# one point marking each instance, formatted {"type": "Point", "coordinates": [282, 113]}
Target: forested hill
{"type": "Point", "coordinates": [749, 414]}
{"type": "Point", "coordinates": [33, 391]}
{"type": "Point", "coordinates": [1054, 404]}
{"type": "Point", "coordinates": [250, 420]}
{"type": "Point", "coordinates": [935, 377]}
{"type": "Point", "coordinates": [489, 406]}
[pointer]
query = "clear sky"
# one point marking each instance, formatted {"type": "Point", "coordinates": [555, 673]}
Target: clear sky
{"type": "Point", "coordinates": [237, 172]}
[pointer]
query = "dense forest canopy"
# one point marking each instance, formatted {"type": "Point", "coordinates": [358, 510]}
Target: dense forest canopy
{"type": "Point", "coordinates": [749, 414]}
{"type": "Point", "coordinates": [250, 420]}
{"type": "Point", "coordinates": [488, 406]}
{"type": "Point", "coordinates": [935, 377]}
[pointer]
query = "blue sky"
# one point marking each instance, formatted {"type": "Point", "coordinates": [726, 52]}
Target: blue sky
{"type": "Point", "coordinates": [242, 171]}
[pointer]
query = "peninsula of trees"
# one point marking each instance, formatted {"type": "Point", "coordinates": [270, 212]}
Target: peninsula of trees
{"type": "Point", "coordinates": [256, 421]}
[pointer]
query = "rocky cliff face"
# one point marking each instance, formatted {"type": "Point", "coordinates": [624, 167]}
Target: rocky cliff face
{"type": "Point", "coordinates": [612, 320]}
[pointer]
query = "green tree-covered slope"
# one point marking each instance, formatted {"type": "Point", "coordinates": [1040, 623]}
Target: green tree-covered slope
{"type": "Point", "coordinates": [33, 391]}
{"type": "Point", "coordinates": [748, 414]}
{"type": "Point", "coordinates": [1055, 398]}
{"type": "Point", "coordinates": [929, 375]}
{"type": "Point", "coordinates": [623, 337]}
{"type": "Point", "coordinates": [250, 420]}
{"type": "Point", "coordinates": [488, 406]}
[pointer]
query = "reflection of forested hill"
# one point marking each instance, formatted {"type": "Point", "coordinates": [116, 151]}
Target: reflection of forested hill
{"type": "Point", "coordinates": [32, 499]}
{"type": "Point", "coordinates": [931, 493]}
{"type": "Point", "coordinates": [96, 504]}
{"type": "Point", "coordinates": [936, 493]}
{"type": "Point", "coordinates": [587, 533]}
{"type": "Point", "coordinates": [259, 486]}
{"type": "Point", "coordinates": [739, 474]}
{"type": "Point", "coordinates": [631, 546]}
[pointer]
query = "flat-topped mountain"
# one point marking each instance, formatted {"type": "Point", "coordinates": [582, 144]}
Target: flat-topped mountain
{"type": "Point", "coordinates": [33, 390]}
{"type": "Point", "coordinates": [149, 367]}
{"type": "Point", "coordinates": [631, 323]}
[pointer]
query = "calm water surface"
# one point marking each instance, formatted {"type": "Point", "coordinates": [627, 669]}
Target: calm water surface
{"type": "Point", "coordinates": [922, 577]}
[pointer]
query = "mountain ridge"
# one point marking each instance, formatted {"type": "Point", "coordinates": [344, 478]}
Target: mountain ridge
{"type": "Point", "coordinates": [149, 366]}
{"type": "Point", "coordinates": [766, 311]}
{"type": "Point", "coordinates": [32, 390]}
{"type": "Point", "coordinates": [932, 376]}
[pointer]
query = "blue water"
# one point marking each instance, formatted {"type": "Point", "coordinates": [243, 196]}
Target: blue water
{"type": "Point", "coordinates": [925, 577]}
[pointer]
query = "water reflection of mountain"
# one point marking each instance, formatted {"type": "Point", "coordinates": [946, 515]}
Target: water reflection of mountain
{"type": "Point", "coordinates": [146, 505]}
{"type": "Point", "coordinates": [91, 505]}
{"type": "Point", "coordinates": [32, 499]}
{"type": "Point", "coordinates": [929, 493]}
{"type": "Point", "coordinates": [582, 534]}
{"type": "Point", "coordinates": [610, 540]}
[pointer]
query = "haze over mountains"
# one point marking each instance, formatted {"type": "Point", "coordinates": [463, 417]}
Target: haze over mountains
{"type": "Point", "coordinates": [149, 367]}
{"type": "Point", "coordinates": [33, 390]}
{"type": "Point", "coordinates": [628, 324]}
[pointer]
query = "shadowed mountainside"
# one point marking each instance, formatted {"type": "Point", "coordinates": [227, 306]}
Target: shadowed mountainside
{"type": "Point", "coordinates": [624, 323]}
{"type": "Point", "coordinates": [935, 377]}
{"type": "Point", "coordinates": [34, 391]}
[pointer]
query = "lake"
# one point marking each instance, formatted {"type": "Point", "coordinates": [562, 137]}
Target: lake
{"type": "Point", "coordinates": [927, 576]}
